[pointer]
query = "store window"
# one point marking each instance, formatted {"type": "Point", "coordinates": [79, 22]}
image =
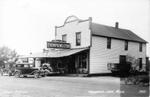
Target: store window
{"type": "Point", "coordinates": [108, 43]}
{"type": "Point", "coordinates": [126, 45]}
{"type": "Point", "coordinates": [80, 61]}
{"type": "Point", "coordinates": [64, 38]}
{"type": "Point", "coordinates": [78, 38]}
{"type": "Point", "coordinates": [83, 63]}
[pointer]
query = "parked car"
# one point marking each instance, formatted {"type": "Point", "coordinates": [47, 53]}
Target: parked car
{"type": "Point", "coordinates": [26, 69]}
{"type": "Point", "coordinates": [49, 70]}
{"type": "Point", "coordinates": [119, 68]}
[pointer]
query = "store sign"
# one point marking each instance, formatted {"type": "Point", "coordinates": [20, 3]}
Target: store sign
{"type": "Point", "coordinates": [61, 45]}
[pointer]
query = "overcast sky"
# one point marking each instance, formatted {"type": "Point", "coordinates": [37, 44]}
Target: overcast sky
{"type": "Point", "coordinates": [26, 25]}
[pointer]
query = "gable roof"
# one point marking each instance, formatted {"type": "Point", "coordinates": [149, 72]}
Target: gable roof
{"type": "Point", "coordinates": [108, 31]}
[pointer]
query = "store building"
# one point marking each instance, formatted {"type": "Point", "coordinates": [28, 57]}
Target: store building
{"type": "Point", "coordinates": [84, 47]}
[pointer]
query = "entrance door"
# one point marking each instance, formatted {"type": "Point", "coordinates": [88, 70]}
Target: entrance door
{"type": "Point", "coordinates": [140, 63]}
{"type": "Point", "coordinates": [82, 63]}
{"type": "Point", "coordinates": [122, 59]}
{"type": "Point", "coordinates": [71, 65]}
{"type": "Point", "coordinates": [123, 66]}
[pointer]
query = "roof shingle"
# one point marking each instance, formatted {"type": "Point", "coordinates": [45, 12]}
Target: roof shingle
{"type": "Point", "coordinates": [108, 31]}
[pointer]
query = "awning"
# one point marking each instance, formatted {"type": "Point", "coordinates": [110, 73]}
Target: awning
{"type": "Point", "coordinates": [64, 53]}
{"type": "Point", "coordinates": [56, 53]}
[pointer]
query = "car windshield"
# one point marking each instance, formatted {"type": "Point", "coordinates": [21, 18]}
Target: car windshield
{"type": "Point", "coordinates": [26, 65]}
{"type": "Point", "coordinates": [19, 65]}
{"type": "Point", "coordinates": [23, 65]}
{"type": "Point", "coordinates": [31, 65]}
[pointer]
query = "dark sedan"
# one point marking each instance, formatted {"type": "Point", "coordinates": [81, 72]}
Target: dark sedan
{"type": "Point", "coordinates": [26, 69]}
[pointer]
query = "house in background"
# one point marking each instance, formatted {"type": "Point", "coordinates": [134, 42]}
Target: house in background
{"type": "Point", "coordinates": [100, 45]}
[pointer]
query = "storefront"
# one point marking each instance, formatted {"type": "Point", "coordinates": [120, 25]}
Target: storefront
{"type": "Point", "coordinates": [63, 59]}
{"type": "Point", "coordinates": [84, 47]}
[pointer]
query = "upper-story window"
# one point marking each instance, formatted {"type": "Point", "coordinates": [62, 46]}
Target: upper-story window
{"type": "Point", "coordinates": [126, 45]}
{"type": "Point", "coordinates": [64, 38]}
{"type": "Point", "coordinates": [140, 47]}
{"type": "Point", "coordinates": [108, 43]}
{"type": "Point", "coordinates": [78, 38]}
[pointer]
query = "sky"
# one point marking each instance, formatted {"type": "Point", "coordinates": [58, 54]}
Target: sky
{"type": "Point", "coordinates": [26, 25]}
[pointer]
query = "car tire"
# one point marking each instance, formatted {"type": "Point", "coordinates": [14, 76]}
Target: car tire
{"type": "Point", "coordinates": [17, 74]}
{"type": "Point", "coordinates": [46, 73]}
{"type": "Point", "coordinates": [1, 74]}
{"type": "Point", "coordinates": [9, 74]}
{"type": "Point", "coordinates": [25, 76]}
{"type": "Point", "coordinates": [36, 75]}
{"type": "Point", "coordinates": [43, 74]}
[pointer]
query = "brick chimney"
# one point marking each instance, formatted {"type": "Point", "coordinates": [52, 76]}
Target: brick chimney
{"type": "Point", "coordinates": [117, 25]}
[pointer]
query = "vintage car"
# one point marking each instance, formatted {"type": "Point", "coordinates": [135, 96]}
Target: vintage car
{"type": "Point", "coordinates": [116, 68]}
{"type": "Point", "coordinates": [49, 70]}
{"type": "Point", "coordinates": [26, 69]}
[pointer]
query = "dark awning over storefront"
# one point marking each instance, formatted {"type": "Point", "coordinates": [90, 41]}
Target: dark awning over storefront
{"type": "Point", "coordinates": [56, 53]}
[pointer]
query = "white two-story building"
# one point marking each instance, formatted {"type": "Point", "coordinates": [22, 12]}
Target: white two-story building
{"type": "Point", "coordinates": [84, 47]}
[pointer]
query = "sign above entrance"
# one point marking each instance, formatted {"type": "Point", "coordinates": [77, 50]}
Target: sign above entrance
{"type": "Point", "coordinates": [58, 44]}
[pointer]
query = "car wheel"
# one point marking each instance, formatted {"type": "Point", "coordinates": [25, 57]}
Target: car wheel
{"type": "Point", "coordinates": [25, 76]}
{"type": "Point", "coordinates": [9, 74]}
{"type": "Point", "coordinates": [36, 75]}
{"type": "Point", "coordinates": [1, 73]}
{"type": "Point", "coordinates": [17, 74]}
{"type": "Point", "coordinates": [45, 73]}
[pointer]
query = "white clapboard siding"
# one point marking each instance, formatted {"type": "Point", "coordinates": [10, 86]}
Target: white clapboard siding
{"type": "Point", "coordinates": [100, 55]}
{"type": "Point", "coordinates": [71, 28]}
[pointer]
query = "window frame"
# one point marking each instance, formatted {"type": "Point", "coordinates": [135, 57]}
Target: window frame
{"type": "Point", "coordinates": [126, 43]}
{"type": "Point", "coordinates": [140, 47]}
{"type": "Point", "coordinates": [109, 39]}
{"type": "Point", "coordinates": [78, 40]}
{"type": "Point", "coordinates": [63, 37]}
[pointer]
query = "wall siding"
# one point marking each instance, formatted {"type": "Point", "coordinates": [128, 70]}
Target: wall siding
{"type": "Point", "coordinates": [100, 55]}
{"type": "Point", "coordinates": [71, 28]}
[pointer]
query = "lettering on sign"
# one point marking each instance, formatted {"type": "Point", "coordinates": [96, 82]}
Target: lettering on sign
{"type": "Point", "coordinates": [58, 45]}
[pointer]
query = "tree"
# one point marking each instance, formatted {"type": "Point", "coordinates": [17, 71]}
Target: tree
{"type": "Point", "coordinates": [7, 55]}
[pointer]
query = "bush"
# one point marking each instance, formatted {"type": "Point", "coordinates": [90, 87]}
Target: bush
{"type": "Point", "coordinates": [142, 80]}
